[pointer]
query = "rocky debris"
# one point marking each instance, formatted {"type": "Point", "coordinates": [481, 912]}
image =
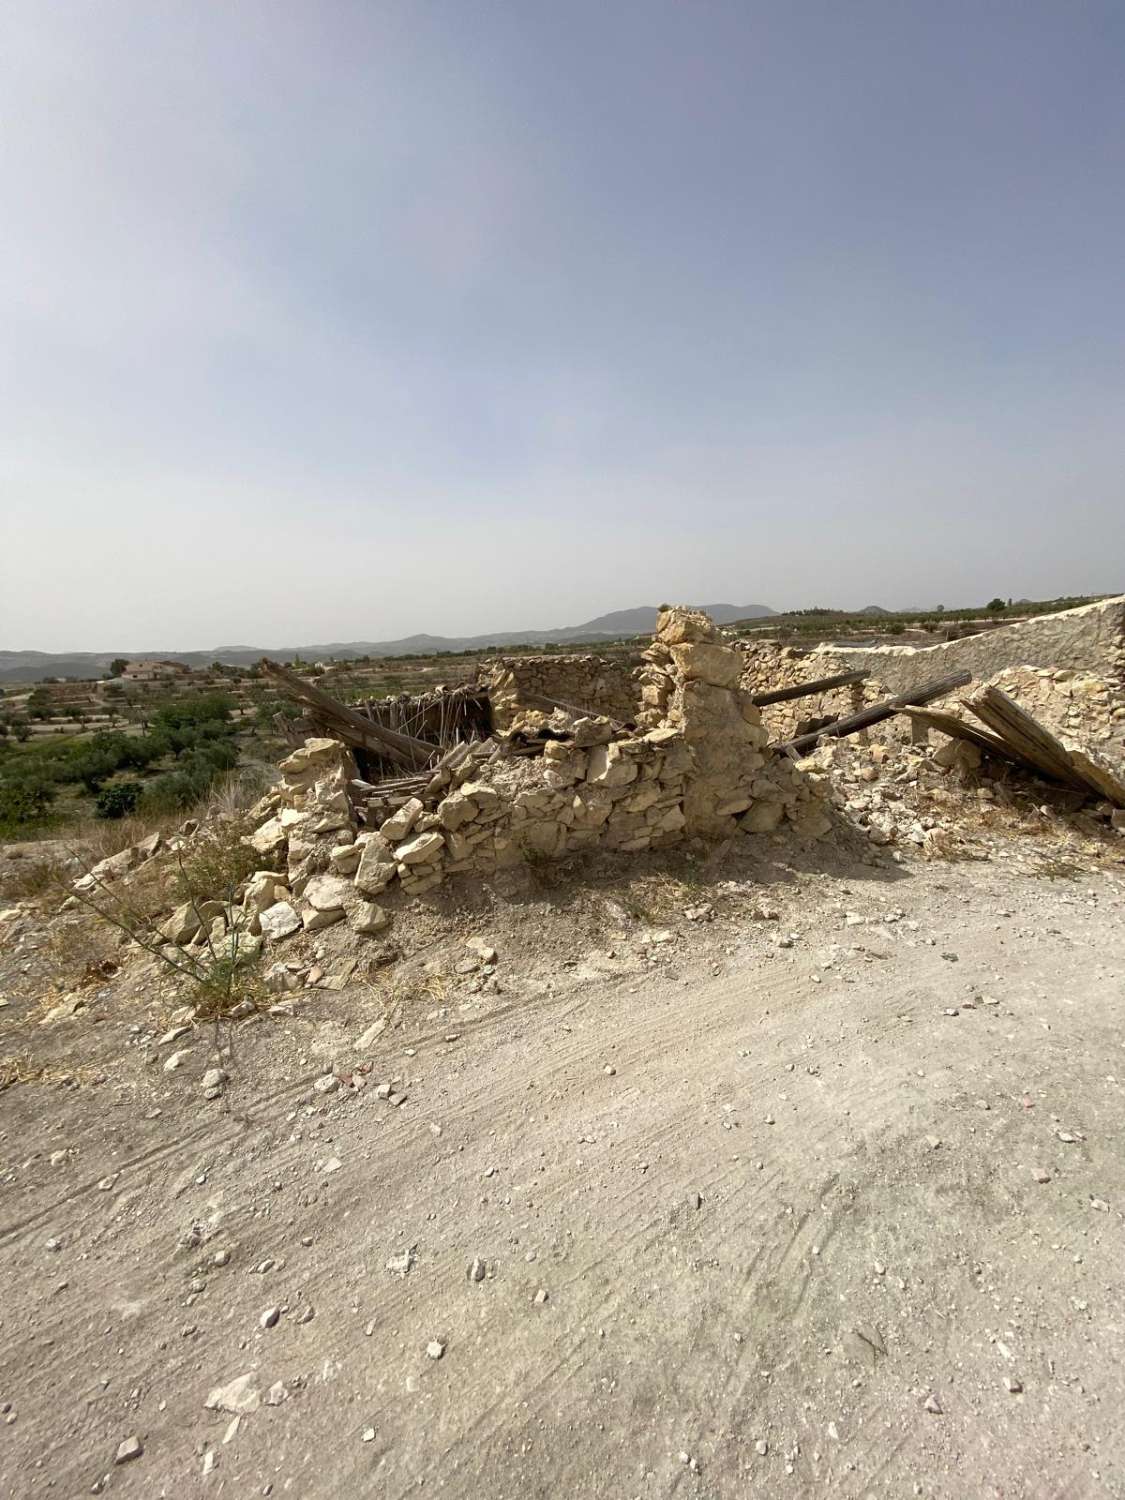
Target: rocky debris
{"type": "Point", "coordinates": [435, 1349]}
{"type": "Point", "coordinates": [697, 764]}
{"type": "Point", "coordinates": [401, 1264]}
{"type": "Point", "coordinates": [240, 1396]}
{"type": "Point", "coordinates": [279, 921]}
{"type": "Point", "coordinates": [369, 918]}
{"type": "Point", "coordinates": [131, 1448]}
{"type": "Point", "coordinates": [477, 1270]}
{"type": "Point", "coordinates": [212, 1083]}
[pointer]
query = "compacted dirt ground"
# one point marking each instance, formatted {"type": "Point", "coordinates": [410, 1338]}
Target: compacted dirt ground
{"type": "Point", "coordinates": [826, 1205]}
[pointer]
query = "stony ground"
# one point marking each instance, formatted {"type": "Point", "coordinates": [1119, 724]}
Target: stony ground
{"type": "Point", "coordinates": [817, 1192]}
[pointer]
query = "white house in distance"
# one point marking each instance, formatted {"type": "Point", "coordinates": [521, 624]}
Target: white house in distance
{"type": "Point", "coordinates": [154, 671]}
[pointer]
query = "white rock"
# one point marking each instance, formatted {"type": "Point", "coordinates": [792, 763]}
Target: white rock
{"type": "Point", "coordinates": [426, 847]}
{"type": "Point", "coordinates": [484, 951]}
{"type": "Point", "coordinates": [239, 1395]}
{"type": "Point", "coordinates": [279, 921]}
{"type": "Point", "coordinates": [176, 1060]}
{"type": "Point", "coordinates": [316, 921]}
{"type": "Point", "coordinates": [328, 892]}
{"type": "Point", "coordinates": [399, 824]}
{"type": "Point", "coordinates": [369, 918]}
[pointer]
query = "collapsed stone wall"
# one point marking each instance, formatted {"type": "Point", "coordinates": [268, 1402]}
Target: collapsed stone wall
{"type": "Point", "coordinates": [697, 765]}
{"type": "Point", "coordinates": [604, 685]}
{"type": "Point", "coordinates": [1090, 638]}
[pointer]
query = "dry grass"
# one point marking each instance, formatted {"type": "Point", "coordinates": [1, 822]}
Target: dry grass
{"type": "Point", "coordinates": [18, 1067]}
{"type": "Point", "coordinates": [26, 879]}
{"type": "Point", "coordinates": [82, 951]}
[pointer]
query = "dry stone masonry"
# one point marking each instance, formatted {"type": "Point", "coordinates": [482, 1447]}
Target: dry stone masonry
{"type": "Point", "coordinates": [602, 684]}
{"type": "Point", "coordinates": [697, 765]}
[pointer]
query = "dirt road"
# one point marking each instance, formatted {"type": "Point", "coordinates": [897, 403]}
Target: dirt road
{"type": "Point", "coordinates": [838, 1218]}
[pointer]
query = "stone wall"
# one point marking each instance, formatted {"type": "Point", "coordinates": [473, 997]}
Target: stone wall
{"type": "Point", "coordinates": [1091, 638]}
{"type": "Point", "coordinates": [605, 685]}
{"type": "Point", "coordinates": [697, 765]}
{"type": "Point", "coordinates": [769, 666]}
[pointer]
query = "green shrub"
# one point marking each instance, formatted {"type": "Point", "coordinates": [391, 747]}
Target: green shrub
{"type": "Point", "coordinates": [118, 800]}
{"type": "Point", "coordinates": [24, 801]}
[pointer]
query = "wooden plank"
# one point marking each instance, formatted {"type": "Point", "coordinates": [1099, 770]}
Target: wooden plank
{"type": "Point", "coordinates": [353, 727]}
{"type": "Point", "coordinates": [925, 692]}
{"type": "Point", "coordinates": [958, 729]}
{"type": "Point", "coordinates": [807, 689]}
{"type": "Point", "coordinates": [1018, 728]}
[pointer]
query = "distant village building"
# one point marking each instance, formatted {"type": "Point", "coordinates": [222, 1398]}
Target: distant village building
{"type": "Point", "coordinates": [154, 671]}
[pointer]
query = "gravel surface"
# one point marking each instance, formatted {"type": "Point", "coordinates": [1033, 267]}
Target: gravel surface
{"type": "Point", "coordinates": [824, 1206]}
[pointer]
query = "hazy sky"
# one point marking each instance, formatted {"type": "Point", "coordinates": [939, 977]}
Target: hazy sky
{"type": "Point", "coordinates": [327, 321]}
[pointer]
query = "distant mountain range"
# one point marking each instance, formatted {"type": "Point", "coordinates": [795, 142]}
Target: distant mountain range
{"type": "Point", "coordinates": [32, 666]}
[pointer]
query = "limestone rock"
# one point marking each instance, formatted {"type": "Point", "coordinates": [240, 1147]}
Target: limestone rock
{"type": "Point", "coordinates": [676, 624]}
{"type": "Point", "coordinates": [279, 921]}
{"type": "Point", "coordinates": [456, 809]}
{"type": "Point", "coordinates": [182, 925]}
{"type": "Point", "coordinates": [423, 849]}
{"type": "Point", "coordinates": [609, 768]}
{"type": "Point", "coordinates": [240, 1396]}
{"type": "Point", "coordinates": [700, 661]}
{"type": "Point", "coordinates": [315, 921]}
{"type": "Point", "coordinates": [261, 890]}
{"type": "Point", "coordinates": [270, 839]}
{"type": "Point", "coordinates": [369, 918]}
{"type": "Point", "coordinates": [328, 892]}
{"type": "Point", "coordinates": [399, 824]}
{"type": "Point", "coordinates": [376, 868]}
{"type": "Point", "coordinates": [763, 817]}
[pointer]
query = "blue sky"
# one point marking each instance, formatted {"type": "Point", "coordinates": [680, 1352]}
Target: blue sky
{"type": "Point", "coordinates": [341, 321]}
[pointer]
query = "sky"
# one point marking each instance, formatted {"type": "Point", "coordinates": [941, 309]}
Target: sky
{"type": "Point", "coordinates": [327, 321]}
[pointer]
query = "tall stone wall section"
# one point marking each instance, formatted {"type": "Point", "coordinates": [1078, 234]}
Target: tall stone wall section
{"type": "Point", "coordinates": [697, 765]}
{"type": "Point", "coordinates": [603, 685]}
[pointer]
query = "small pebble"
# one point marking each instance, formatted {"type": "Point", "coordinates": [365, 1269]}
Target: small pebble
{"type": "Point", "coordinates": [131, 1448]}
{"type": "Point", "coordinates": [541, 1296]}
{"type": "Point", "coordinates": [269, 1317]}
{"type": "Point", "coordinates": [435, 1349]}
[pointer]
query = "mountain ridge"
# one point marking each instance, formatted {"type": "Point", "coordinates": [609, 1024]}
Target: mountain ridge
{"type": "Point", "coordinates": [28, 666]}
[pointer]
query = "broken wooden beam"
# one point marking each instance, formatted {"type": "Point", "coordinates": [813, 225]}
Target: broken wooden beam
{"type": "Point", "coordinates": [958, 729]}
{"type": "Point", "coordinates": [807, 689]}
{"type": "Point", "coordinates": [352, 727]}
{"type": "Point", "coordinates": [1070, 765]}
{"type": "Point", "coordinates": [925, 692]}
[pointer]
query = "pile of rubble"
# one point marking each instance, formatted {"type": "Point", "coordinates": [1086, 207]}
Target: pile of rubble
{"type": "Point", "coordinates": [693, 761]}
{"type": "Point", "coordinates": [698, 765]}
